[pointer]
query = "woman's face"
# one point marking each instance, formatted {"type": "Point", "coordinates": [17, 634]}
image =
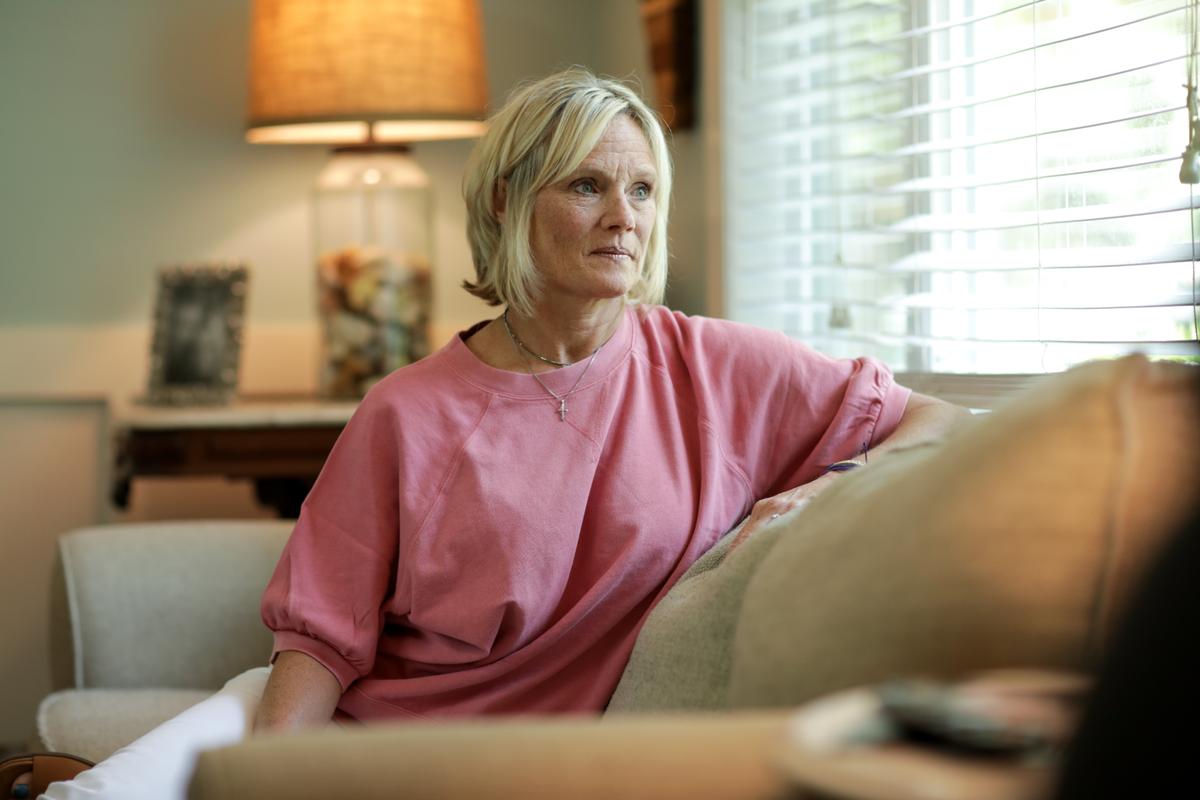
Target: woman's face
{"type": "Point", "coordinates": [590, 229]}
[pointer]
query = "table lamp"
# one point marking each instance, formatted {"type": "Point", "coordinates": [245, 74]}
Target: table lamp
{"type": "Point", "coordinates": [368, 77]}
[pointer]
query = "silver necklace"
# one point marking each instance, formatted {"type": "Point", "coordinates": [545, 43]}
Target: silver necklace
{"type": "Point", "coordinates": [523, 346]}
{"type": "Point", "coordinates": [561, 398]}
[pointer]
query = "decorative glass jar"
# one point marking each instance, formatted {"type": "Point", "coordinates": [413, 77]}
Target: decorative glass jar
{"type": "Point", "coordinates": [373, 236]}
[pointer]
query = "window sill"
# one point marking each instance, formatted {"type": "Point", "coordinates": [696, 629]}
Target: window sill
{"type": "Point", "coordinates": [976, 392]}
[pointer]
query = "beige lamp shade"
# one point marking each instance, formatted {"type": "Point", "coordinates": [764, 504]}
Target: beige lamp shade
{"type": "Point", "coordinates": [350, 71]}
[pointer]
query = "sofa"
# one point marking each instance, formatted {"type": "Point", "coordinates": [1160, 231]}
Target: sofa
{"type": "Point", "coordinates": [1014, 543]}
{"type": "Point", "coordinates": [148, 619]}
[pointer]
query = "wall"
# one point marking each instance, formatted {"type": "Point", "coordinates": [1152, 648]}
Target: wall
{"type": "Point", "coordinates": [122, 126]}
{"type": "Point", "coordinates": [124, 151]}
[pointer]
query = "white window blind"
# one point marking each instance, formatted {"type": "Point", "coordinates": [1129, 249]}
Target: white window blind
{"type": "Point", "coordinates": [977, 186]}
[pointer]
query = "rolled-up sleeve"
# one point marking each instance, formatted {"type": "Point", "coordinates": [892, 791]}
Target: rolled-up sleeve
{"type": "Point", "coordinates": [785, 411]}
{"type": "Point", "coordinates": [326, 595]}
{"type": "Point", "coordinates": [836, 409]}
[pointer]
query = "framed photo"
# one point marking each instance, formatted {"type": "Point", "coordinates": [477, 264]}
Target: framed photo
{"type": "Point", "coordinates": [672, 33]}
{"type": "Point", "coordinates": [197, 343]}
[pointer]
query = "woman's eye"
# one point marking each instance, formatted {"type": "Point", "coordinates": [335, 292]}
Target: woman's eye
{"type": "Point", "coordinates": [641, 191]}
{"type": "Point", "coordinates": [586, 187]}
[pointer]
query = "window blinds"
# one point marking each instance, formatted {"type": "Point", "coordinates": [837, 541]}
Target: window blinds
{"type": "Point", "coordinates": [961, 185]}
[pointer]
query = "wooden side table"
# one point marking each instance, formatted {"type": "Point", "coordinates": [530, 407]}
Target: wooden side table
{"type": "Point", "coordinates": [278, 442]}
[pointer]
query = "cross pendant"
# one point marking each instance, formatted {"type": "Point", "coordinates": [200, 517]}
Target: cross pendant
{"type": "Point", "coordinates": [562, 409]}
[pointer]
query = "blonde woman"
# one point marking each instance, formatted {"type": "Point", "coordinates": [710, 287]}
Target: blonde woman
{"type": "Point", "coordinates": [498, 519]}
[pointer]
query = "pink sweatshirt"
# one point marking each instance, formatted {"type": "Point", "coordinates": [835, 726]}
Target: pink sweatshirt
{"type": "Point", "coordinates": [465, 552]}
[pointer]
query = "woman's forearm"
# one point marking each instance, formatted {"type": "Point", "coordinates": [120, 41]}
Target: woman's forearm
{"type": "Point", "coordinates": [925, 418]}
{"type": "Point", "coordinates": [300, 693]}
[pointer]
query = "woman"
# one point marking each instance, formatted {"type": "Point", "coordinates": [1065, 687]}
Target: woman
{"type": "Point", "coordinates": [497, 520]}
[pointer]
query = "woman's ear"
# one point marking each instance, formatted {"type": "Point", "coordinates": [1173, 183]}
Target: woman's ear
{"type": "Point", "coordinates": [500, 199]}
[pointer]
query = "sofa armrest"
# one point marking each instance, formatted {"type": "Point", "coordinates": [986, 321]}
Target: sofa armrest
{"type": "Point", "coordinates": [166, 604]}
{"type": "Point", "coordinates": [653, 756]}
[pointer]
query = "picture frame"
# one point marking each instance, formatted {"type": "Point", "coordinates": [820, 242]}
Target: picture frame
{"type": "Point", "coordinates": [672, 35]}
{"type": "Point", "coordinates": [198, 322]}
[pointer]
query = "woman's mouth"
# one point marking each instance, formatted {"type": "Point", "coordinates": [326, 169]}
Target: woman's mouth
{"type": "Point", "coordinates": [615, 253]}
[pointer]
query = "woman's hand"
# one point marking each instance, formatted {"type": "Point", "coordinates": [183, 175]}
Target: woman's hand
{"type": "Point", "coordinates": [300, 693]}
{"type": "Point", "coordinates": [769, 509]}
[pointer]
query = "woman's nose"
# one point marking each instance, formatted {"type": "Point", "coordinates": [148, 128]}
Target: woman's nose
{"type": "Point", "coordinates": [618, 212]}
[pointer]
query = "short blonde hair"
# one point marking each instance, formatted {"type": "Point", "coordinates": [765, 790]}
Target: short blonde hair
{"type": "Point", "coordinates": [541, 135]}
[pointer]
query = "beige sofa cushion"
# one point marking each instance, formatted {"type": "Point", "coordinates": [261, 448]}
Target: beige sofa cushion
{"type": "Point", "coordinates": [684, 651]}
{"type": "Point", "coordinates": [95, 723]}
{"type": "Point", "coordinates": [1014, 544]}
